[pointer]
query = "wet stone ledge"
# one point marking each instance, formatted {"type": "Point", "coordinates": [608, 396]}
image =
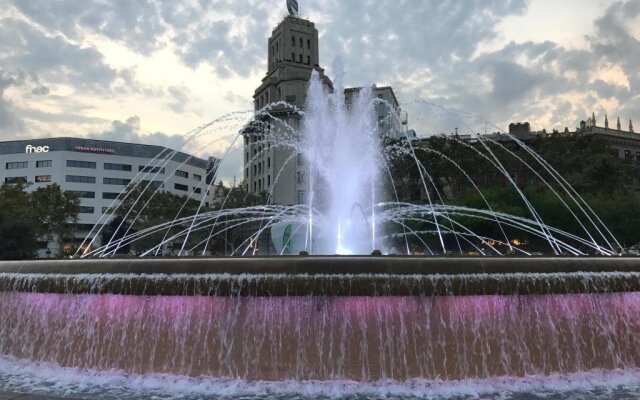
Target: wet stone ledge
{"type": "Point", "coordinates": [324, 276]}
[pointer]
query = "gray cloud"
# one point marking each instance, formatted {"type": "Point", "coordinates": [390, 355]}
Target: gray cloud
{"type": "Point", "coordinates": [10, 123]}
{"type": "Point", "coordinates": [179, 98]}
{"type": "Point", "coordinates": [129, 131]}
{"type": "Point", "coordinates": [388, 38]}
{"type": "Point", "coordinates": [233, 46]}
{"type": "Point", "coordinates": [53, 58]}
{"type": "Point", "coordinates": [615, 44]}
{"type": "Point", "coordinates": [135, 23]}
{"type": "Point", "coordinates": [522, 81]}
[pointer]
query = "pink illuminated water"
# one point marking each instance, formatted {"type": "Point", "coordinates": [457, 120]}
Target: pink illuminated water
{"type": "Point", "coordinates": [357, 339]}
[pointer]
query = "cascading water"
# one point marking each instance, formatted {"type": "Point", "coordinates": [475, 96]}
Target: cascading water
{"type": "Point", "coordinates": [421, 346]}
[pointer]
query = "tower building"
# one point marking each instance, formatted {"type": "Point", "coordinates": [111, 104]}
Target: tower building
{"type": "Point", "coordinates": [292, 57]}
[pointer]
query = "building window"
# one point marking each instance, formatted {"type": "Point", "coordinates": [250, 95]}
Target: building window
{"type": "Point", "coordinates": [301, 45]}
{"type": "Point", "coordinates": [116, 181]}
{"type": "Point", "coordinates": [300, 196]}
{"type": "Point", "coordinates": [183, 188]}
{"type": "Point", "coordinates": [17, 165]}
{"type": "Point", "coordinates": [293, 41]}
{"type": "Point", "coordinates": [15, 179]}
{"type": "Point", "coordinates": [110, 195]}
{"type": "Point", "coordinates": [269, 162]}
{"type": "Point", "coordinates": [309, 44]}
{"type": "Point", "coordinates": [268, 181]}
{"type": "Point", "coordinates": [255, 169]}
{"type": "Point", "coordinates": [197, 190]}
{"type": "Point", "coordinates": [117, 167]}
{"type": "Point", "coordinates": [83, 194]}
{"type": "Point", "coordinates": [182, 174]}
{"type": "Point", "coordinates": [300, 58]}
{"type": "Point", "coordinates": [300, 159]}
{"type": "Point", "coordinates": [290, 99]}
{"type": "Point", "coordinates": [293, 57]}
{"type": "Point", "coordinates": [43, 164]}
{"type": "Point", "coordinates": [308, 60]}
{"type": "Point", "coordinates": [150, 169]}
{"type": "Point", "coordinates": [300, 177]}
{"type": "Point", "coordinates": [255, 186]}
{"type": "Point", "coordinates": [81, 164]}
{"type": "Point", "coordinates": [86, 210]}
{"type": "Point", "coordinates": [43, 178]}
{"type": "Point", "coordinates": [197, 177]}
{"type": "Point", "coordinates": [80, 179]}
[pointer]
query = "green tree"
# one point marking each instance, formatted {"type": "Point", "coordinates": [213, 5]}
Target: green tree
{"type": "Point", "coordinates": [44, 214]}
{"type": "Point", "coordinates": [593, 169]}
{"type": "Point", "coordinates": [17, 238]}
{"type": "Point", "coordinates": [54, 211]}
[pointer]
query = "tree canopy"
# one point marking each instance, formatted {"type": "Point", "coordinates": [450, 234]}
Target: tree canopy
{"type": "Point", "coordinates": [605, 181]}
{"type": "Point", "coordinates": [46, 214]}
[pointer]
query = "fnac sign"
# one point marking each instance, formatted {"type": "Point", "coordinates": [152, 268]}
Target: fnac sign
{"type": "Point", "coordinates": [36, 149]}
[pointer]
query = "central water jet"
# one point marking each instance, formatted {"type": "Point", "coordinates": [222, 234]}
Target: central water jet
{"type": "Point", "coordinates": [341, 144]}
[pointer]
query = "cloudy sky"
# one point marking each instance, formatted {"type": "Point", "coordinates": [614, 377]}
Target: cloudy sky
{"type": "Point", "coordinates": [152, 70]}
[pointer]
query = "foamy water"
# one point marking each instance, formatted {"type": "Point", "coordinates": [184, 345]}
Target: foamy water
{"type": "Point", "coordinates": [48, 378]}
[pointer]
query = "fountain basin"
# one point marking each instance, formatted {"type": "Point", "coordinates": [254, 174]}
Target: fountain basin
{"type": "Point", "coordinates": [324, 319]}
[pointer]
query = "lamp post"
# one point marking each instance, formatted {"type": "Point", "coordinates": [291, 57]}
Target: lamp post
{"type": "Point", "coordinates": [48, 252]}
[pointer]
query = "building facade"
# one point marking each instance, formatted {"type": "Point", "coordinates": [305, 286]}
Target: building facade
{"type": "Point", "coordinates": [98, 171]}
{"type": "Point", "coordinates": [625, 142]}
{"type": "Point", "coordinates": [292, 57]}
{"type": "Point", "coordinates": [391, 120]}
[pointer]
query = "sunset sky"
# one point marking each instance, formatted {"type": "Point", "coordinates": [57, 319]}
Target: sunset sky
{"type": "Point", "coordinates": [150, 71]}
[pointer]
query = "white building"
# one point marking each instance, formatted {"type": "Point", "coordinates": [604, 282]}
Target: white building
{"type": "Point", "coordinates": [98, 170]}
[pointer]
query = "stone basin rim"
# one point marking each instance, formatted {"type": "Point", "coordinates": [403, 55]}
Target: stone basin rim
{"type": "Point", "coordinates": [325, 265]}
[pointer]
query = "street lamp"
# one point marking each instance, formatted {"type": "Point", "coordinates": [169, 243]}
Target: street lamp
{"type": "Point", "coordinates": [48, 253]}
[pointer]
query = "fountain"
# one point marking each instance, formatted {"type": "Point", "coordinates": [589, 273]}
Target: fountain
{"type": "Point", "coordinates": [352, 206]}
{"type": "Point", "coordinates": [346, 326]}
